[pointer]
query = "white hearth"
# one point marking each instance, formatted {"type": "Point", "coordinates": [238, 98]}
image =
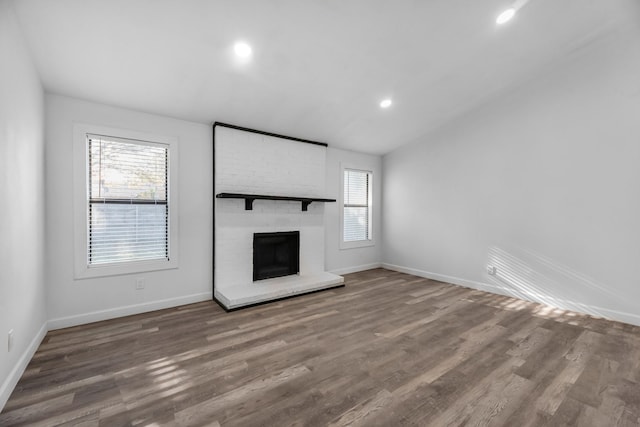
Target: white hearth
{"type": "Point", "coordinates": [277, 288]}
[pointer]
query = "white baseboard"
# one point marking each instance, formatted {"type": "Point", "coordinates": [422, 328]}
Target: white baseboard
{"type": "Point", "coordinates": [441, 277]}
{"type": "Point", "coordinates": [10, 383]}
{"type": "Point", "coordinates": [356, 268]}
{"type": "Point", "coordinates": [607, 313]}
{"type": "Point", "coordinates": [96, 316]}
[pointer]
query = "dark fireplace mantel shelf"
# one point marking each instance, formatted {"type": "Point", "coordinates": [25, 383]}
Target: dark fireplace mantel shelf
{"type": "Point", "coordinates": [249, 198]}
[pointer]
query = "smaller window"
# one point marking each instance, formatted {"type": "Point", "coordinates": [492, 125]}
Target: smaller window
{"type": "Point", "coordinates": [356, 220]}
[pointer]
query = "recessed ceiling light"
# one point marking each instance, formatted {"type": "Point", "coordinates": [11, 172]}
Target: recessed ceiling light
{"type": "Point", "coordinates": [242, 49]}
{"type": "Point", "coordinates": [385, 103]}
{"type": "Point", "coordinates": [505, 16]}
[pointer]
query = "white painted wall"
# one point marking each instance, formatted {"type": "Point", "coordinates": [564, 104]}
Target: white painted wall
{"type": "Point", "coordinates": [22, 290]}
{"type": "Point", "coordinates": [343, 261]}
{"type": "Point", "coordinates": [72, 301]}
{"type": "Point", "coordinates": [542, 183]}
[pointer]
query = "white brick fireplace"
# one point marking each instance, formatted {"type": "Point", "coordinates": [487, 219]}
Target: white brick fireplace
{"type": "Point", "coordinates": [253, 163]}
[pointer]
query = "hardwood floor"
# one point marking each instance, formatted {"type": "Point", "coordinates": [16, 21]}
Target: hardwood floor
{"type": "Point", "coordinates": [388, 349]}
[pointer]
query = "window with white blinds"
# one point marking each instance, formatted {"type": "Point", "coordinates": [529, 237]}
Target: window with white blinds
{"type": "Point", "coordinates": [128, 200]}
{"type": "Point", "coordinates": [357, 206]}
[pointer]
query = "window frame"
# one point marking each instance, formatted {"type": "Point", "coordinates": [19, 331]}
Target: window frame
{"type": "Point", "coordinates": [357, 243]}
{"type": "Point", "coordinates": [82, 268]}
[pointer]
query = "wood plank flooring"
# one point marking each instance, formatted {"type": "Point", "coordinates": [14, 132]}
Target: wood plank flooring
{"type": "Point", "coordinates": [388, 349]}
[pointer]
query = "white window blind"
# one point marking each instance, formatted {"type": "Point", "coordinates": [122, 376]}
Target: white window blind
{"type": "Point", "coordinates": [357, 206]}
{"type": "Point", "coordinates": [128, 203]}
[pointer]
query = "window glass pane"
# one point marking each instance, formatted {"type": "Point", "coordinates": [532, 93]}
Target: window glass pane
{"type": "Point", "coordinates": [356, 224]}
{"type": "Point", "coordinates": [355, 187]}
{"type": "Point", "coordinates": [127, 232]}
{"type": "Point", "coordinates": [121, 170]}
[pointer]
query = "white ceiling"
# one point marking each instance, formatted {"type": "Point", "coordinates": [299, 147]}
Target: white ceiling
{"type": "Point", "coordinates": [320, 67]}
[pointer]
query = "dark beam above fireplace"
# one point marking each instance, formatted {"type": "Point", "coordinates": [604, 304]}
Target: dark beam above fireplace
{"type": "Point", "coordinates": [249, 198]}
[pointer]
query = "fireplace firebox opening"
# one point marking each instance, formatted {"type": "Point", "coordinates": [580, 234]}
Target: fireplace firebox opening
{"type": "Point", "coordinates": [276, 254]}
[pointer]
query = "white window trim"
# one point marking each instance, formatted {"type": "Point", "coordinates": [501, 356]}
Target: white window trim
{"type": "Point", "coordinates": [359, 243]}
{"type": "Point", "coordinates": [80, 190]}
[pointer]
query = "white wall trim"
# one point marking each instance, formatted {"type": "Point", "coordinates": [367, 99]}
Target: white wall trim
{"type": "Point", "coordinates": [96, 316]}
{"type": "Point", "coordinates": [562, 304]}
{"type": "Point", "coordinates": [80, 183]}
{"type": "Point", "coordinates": [10, 383]}
{"type": "Point", "coordinates": [357, 268]}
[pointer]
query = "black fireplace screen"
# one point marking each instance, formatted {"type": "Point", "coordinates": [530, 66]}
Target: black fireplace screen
{"type": "Point", "coordinates": [276, 254]}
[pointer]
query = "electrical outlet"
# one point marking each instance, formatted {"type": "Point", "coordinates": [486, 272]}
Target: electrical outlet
{"type": "Point", "coordinates": [491, 270]}
{"type": "Point", "coordinates": [10, 340]}
{"type": "Point", "coordinates": [140, 283]}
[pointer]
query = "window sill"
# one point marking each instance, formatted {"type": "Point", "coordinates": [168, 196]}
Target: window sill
{"type": "Point", "coordinates": [357, 244]}
{"type": "Point", "coordinates": [122, 269]}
